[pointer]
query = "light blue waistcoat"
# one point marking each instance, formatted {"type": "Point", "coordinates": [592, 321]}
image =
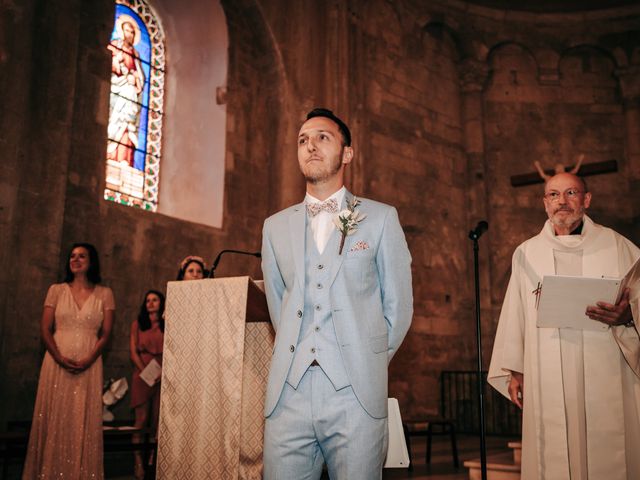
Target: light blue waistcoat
{"type": "Point", "coordinates": [317, 339]}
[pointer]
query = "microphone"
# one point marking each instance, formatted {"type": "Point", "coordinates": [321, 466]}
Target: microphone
{"type": "Point", "coordinates": [477, 232]}
{"type": "Point", "coordinates": [217, 260]}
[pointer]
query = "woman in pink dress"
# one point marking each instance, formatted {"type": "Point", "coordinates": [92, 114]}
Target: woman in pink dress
{"type": "Point", "coordinates": [66, 432]}
{"type": "Point", "coordinates": [146, 341]}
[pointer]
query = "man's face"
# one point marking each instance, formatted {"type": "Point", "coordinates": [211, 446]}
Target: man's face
{"type": "Point", "coordinates": [321, 155]}
{"type": "Point", "coordinates": [129, 33]}
{"type": "Point", "coordinates": [565, 200]}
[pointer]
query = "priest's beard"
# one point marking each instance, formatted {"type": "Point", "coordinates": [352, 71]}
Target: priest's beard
{"type": "Point", "coordinates": [569, 221]}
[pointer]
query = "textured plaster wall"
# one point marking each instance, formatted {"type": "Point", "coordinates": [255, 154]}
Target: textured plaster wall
{"type": "Point", "coordinates": [192, 179]}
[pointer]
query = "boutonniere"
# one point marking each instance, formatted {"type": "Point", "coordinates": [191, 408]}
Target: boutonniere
{"type": "Point", "coordinates": [347, 220]}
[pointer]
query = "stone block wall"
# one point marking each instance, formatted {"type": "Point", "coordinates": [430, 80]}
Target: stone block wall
{"type": "Point", "coordinates": [445, 100]}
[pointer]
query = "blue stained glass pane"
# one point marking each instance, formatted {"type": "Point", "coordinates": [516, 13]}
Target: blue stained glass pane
{"type": "Point", "coordinates": [130, 47]}
{"type": "Point", "coordinates": [142, 146]}
{"type": "Point", "coordinates": [133, 125]}
{"type": "Point", "coordinates": [142, 43]}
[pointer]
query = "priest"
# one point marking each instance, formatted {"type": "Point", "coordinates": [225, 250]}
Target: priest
{"type": "Point", "coordinates": [579, 389]}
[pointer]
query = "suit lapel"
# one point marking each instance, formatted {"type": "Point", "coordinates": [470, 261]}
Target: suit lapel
{"type": "Point", "coordinates": [297, 226]}
{"type": "Point", "coordinates": [334, 244]}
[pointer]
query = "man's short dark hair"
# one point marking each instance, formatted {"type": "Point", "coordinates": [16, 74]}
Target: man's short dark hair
{"type": "Point", "coordinates": [344, 130]}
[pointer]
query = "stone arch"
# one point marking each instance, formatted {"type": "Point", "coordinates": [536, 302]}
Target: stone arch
{"type": "Point", "coordinates": [624, 47]}
{"type": "Point", "coordinates": [512, 63]}
{"type": "Point", "coordinates": [194, 140]}
{"type": "Point", "coordinates": [589, 48]}
{"type": "Point", "coordinates": [587, 63]}
{"type": "Point", "coordinates": [499, 47]}
{"type": "Point", "coordinates": [381, 19]}
{"type": "Point", "coordinates": [620, 55]}
{"type": "Point", "coordinates": [206, 154]}
{"type": "Point", "coordinates": [446, 36]}
{"type": "Point", "coordinates": [259, 113]}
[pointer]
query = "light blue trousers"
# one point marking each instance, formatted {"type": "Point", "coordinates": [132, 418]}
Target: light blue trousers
{"type": "Point", "coordinates": [314, 424]}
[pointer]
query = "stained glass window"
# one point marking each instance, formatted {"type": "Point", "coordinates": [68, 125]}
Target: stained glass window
{"type": "Point", "coordinates": [135, 106]}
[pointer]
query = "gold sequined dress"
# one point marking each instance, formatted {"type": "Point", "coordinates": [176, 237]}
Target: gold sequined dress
{"type": "Point", "coordinates": [66, 432]}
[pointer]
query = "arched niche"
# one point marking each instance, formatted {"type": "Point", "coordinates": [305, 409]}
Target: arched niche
{"type": "Point", "coordinates": [512, 64]}
{"type": "Point", "coordinates": [193, 164]}
{"type": "Point", "coordinates": [587, 65]}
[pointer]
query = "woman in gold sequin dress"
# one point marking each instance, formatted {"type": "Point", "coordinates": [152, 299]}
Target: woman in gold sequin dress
{"type": "Point", "coordinates": [66, 432]}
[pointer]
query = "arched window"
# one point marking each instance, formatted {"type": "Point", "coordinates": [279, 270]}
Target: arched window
{"type": "Point", "coordinates": [134, 133]}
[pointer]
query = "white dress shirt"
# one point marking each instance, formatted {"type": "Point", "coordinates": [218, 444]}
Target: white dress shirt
{"type": "Point", "coordinates": [322, 224]}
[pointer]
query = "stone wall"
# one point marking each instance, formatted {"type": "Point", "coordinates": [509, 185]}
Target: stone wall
{"type": "Point", "coordinates": [52, 189]}
{"type": "Point", "coordinates": [446, 101]}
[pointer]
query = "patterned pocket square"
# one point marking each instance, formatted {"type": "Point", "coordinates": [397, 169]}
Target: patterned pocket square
{"type": "Point", "coordinates": [359, 245]}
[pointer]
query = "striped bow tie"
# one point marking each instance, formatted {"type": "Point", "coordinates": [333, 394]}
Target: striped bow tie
{"type": "Point", "coordinates": [330, 206]}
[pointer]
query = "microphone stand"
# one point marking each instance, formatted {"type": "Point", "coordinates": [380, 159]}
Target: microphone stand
{"type": "Point", "coordinates": [475, 235]}
{"type": "Point", "coordinates": [217, 260]}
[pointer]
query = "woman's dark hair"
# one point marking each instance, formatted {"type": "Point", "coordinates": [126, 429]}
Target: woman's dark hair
{"type": "Point", "coordinates": [144, 322]}
{"type": "Point", "coordinates": [93, 274]}
{"type": "Point", "coordinates": [184, 269]}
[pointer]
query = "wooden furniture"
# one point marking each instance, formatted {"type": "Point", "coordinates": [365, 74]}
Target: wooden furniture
{"type": "Point", "coordinates": [430, 427]}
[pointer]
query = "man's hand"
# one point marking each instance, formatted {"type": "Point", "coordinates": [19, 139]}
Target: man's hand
{"type": "Point", "coordinates": [619, 314]}
{"type": "Point", "coordinates": [516, 388]}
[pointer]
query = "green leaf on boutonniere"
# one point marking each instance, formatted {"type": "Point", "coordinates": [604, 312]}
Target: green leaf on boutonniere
{"type": "Point", "coordinates": [346, 221]}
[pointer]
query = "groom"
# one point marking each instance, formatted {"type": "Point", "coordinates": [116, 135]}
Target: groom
{"type": "Point", "coordinates": [338, 283]}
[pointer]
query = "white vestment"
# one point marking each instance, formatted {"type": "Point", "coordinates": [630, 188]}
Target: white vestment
{"type": "Point", "coordinates": [581, 389]}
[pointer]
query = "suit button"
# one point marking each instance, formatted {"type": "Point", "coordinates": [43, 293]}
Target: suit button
{"type": "Point", "coordinates": [319, 286]}
{"type": "Point", "coordinates": [313, 350]}
{"type": "Point", "coordinates": [318, 307]}
{"type": "Point", "coordinates": [317, 329]}
{"type": "Point", "coordinates": [292, 348]}
{"type": "Point", "coordinates": [299, 313]}
{"type": "Point", "coordinates": [320, 267]}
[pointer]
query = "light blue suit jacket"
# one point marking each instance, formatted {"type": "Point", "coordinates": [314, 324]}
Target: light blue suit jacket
{"type": "Point", "coordinates": [370, 293]}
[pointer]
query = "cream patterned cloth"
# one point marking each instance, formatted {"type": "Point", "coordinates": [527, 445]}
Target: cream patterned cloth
{"type": "Point", "coordinates": [214, 374]}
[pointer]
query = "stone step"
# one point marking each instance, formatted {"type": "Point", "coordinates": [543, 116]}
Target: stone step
{"type": "Point", "coordinates": [499, 467]}
{"type": "Point", "coordinates": [517, 451]}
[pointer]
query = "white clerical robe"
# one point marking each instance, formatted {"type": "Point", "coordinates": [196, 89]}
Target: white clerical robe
{"type": "Point", "coordinates": [581, 389]}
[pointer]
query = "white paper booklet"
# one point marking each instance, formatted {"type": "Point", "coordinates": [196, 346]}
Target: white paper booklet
{"type": "Point", "coordinates": [564, 299]}
{"type": "Point", "coordinates": [397, 452]}
{"type": "Point", "coordinates": [151, 372]}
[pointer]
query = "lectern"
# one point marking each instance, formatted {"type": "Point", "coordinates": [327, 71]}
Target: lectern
{"type": "Point", "coordinates": [217, 348]}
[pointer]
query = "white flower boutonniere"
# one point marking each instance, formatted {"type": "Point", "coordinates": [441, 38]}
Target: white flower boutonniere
{"type": "Point", "coordinates": [347, 220]}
